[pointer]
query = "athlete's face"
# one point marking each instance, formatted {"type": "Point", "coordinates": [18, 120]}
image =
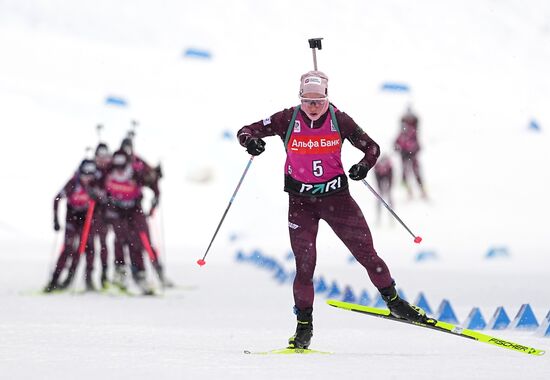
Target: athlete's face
{"type": "Point", "coordinates": [86, 179]}
{"type": "Point", "coordinates": [102, 161]}
{"type": "Point", "coordinates": [314, 105]}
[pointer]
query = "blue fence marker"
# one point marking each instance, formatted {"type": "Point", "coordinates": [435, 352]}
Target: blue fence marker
{"type": "Point", "coordinates": [291, 275]}
{"type": "Point", "coordinates": [116, 101]}
{"type": "Point", "coordinates": [256, 256]}
{"type": "Point", "coordinates": [379, 302]}
{"type": "Point", "coordinates": [240, 256]}
{"type": "Point", "coordinates": [334, 290]}
{"type": "Point", "coordinates": [349, 296]}
{"type": "Point", "coordinates": [525, 319]}
{"type": "Point", "coordinates": [228, 135]}
{"type": "Point", "coordinates": [544, 329]}
{"type": "Point", "coordinates": [445, 313]}
{"type": "Point", "coordinates": [197, 53]}
{"type": "Point", "coordinates": [422, 302]}
{"type": "Point", "coordinates": [402, 295]}
{"type": "Point", "coordinates": [280, 276]}
{"type": "Point", "coordinates": [500, 319]}
{"type": "Point", "coordinates": [496, 252]}
{"type": "Point", "coordinates": [475, 320]}
{"type": "Point", "coordinates": [321, 285]}
{"type": "Point", "coordinates": [534, 125]}
{"type": "Point", "coordinates": [425, 256]}
{"type": "Point", "coordinates": [364, 299]}
{"type": "Point", "coordinates": [271, 263]}
{"type": "Point", "coordinates": [395, 87]}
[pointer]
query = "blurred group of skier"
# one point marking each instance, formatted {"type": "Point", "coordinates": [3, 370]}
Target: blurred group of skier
{"type": "Point", "coordinates": [406, 144]}
{"type": "Point", "coordinates": [104, 196]}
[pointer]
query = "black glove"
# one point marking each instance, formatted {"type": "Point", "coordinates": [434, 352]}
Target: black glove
{"type": "Point", "coordinates": [56, 226]}
{"type": "Point", "coordinates": [255, 146]}
{"type": "Point", "coordinates": [358, 171]}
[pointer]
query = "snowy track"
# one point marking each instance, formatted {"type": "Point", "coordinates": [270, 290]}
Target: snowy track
{"type": "Point", "coordinates": [201, 333]}
{"type": "Point", "coordinates": [478, 70]}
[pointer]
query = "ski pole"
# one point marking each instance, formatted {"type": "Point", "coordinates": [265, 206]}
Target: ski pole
{"type": "Point", "coordinates": [54, 250]}
{"type": "Point", "coordinates": [160, 215]}
{"type": "Point", "coordinates": [132, 132]}
{"type": "Point", "coordinates": [83, 238]}
{"type": "Point", "coordinates": [157, 232]}
{"type": "Point", "coordinates": [417, 239]}
{"type": "Point", "coordinates": [86, 228]}
{"type": "Point", "coordinates": [201, 262]}
{"type": "Point", "coordinates": [315, 43]}
{"type": "Point", "coordinates": [98, 129]}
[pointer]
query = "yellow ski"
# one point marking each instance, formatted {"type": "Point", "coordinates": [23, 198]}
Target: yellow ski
{"type": "Point", "coordinates": [439, 326]}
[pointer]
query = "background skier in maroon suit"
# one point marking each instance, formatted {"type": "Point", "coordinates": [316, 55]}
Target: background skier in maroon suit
{"type": "Point", "coordinates": [151, 176]}
{"type": "Point", "coordinates": [383, 171]}
{"type": "Point", "coordinates": [77, 193]}
{"type": "Point", "coordinates": [317, 185]}
{"type": "Point", "coordinates": [101, 223]}
{"type": "Point", "coordinates": [408, 146]}
{"type": "Point", "coordinates": [123, 186]}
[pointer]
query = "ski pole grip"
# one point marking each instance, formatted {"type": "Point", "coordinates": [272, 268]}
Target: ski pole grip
{"type": "Point", "coordinates": [315, 43]}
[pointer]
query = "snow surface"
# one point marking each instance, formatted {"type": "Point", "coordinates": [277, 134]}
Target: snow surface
{"type": "Point", "coordinates": [478, 73]}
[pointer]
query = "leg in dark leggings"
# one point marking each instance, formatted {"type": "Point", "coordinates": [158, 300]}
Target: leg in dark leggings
{"type": "Point", "coordinates": [89, 251]}
{"type": "Point", "coordinates": [416, 170]}
{"type": "Point", "coordinates": [121, 229]}
{"type": "Point", "coordinates": [100, 230]}
{"type": "Point", "coordinates": [68, 249]}
{"type": "Point", "coordinates": [139, 242]}
{"type": "Point", "coordinates": [104, 256]}
{"type": "Point", "coordinates": [404, 167]}
{"type": "Point", "coordinates": [119, 250]}
{"type": "Point", "coordinates": [406, 160]}
{"type": "Point", "coordinates": [345, 218]}
{"type": "Point", "coordinates": [303, 227]}
{"type": "Point", "coordinates": [90, 257]}
{"type": "Point", "coordinates": [74, 225]}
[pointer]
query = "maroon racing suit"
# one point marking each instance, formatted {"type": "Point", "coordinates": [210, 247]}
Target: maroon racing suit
{"type": "Point", "coordinates": [330, 201]}
{"type": "Point", "coordinates": [383, 171]}
{"type": "Point", "coordinates": [78, 200]}
{"type": "Point", "coordinates": [101, 222]}
{"type": "Point", "coordinates": [151, 180]}
{"type": "Point", "coordinates": [124, 195]}
{"type": "Point", "coordinates": [408, 146]}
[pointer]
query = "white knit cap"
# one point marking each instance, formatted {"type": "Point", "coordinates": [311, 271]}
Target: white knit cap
{"type": "Point", "coordinates": [314, 82]}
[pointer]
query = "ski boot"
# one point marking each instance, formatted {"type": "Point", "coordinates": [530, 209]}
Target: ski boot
{"type": "Point", "coordinates": [90, 283]}
{"type": "Point", "coordinates": [141, 282]}
{"type": "Point", "coordinates": [51, 287]}
{"type": "Point", "coordinates": [104, 281]}
{"type": "Point", "coordinates": [119, 278]}
{"type": "Point", "coordinates": [166, 283]}
{"type": "Point", "coordinates": [304, 329]}
{"type": "Point", "coordinates": [67, 282]}
{"type": "Point", "coordinates": [401, 308]}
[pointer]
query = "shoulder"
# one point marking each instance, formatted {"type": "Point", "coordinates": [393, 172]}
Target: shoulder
{"type": "Point", "coordinates": [278, 122]}
{"type": "Point", "coordinates": [283, 116]}
{"type": "Point", "coordinates": [345, 122]}
{"type": "Point", "coordinates": [72, 182]}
